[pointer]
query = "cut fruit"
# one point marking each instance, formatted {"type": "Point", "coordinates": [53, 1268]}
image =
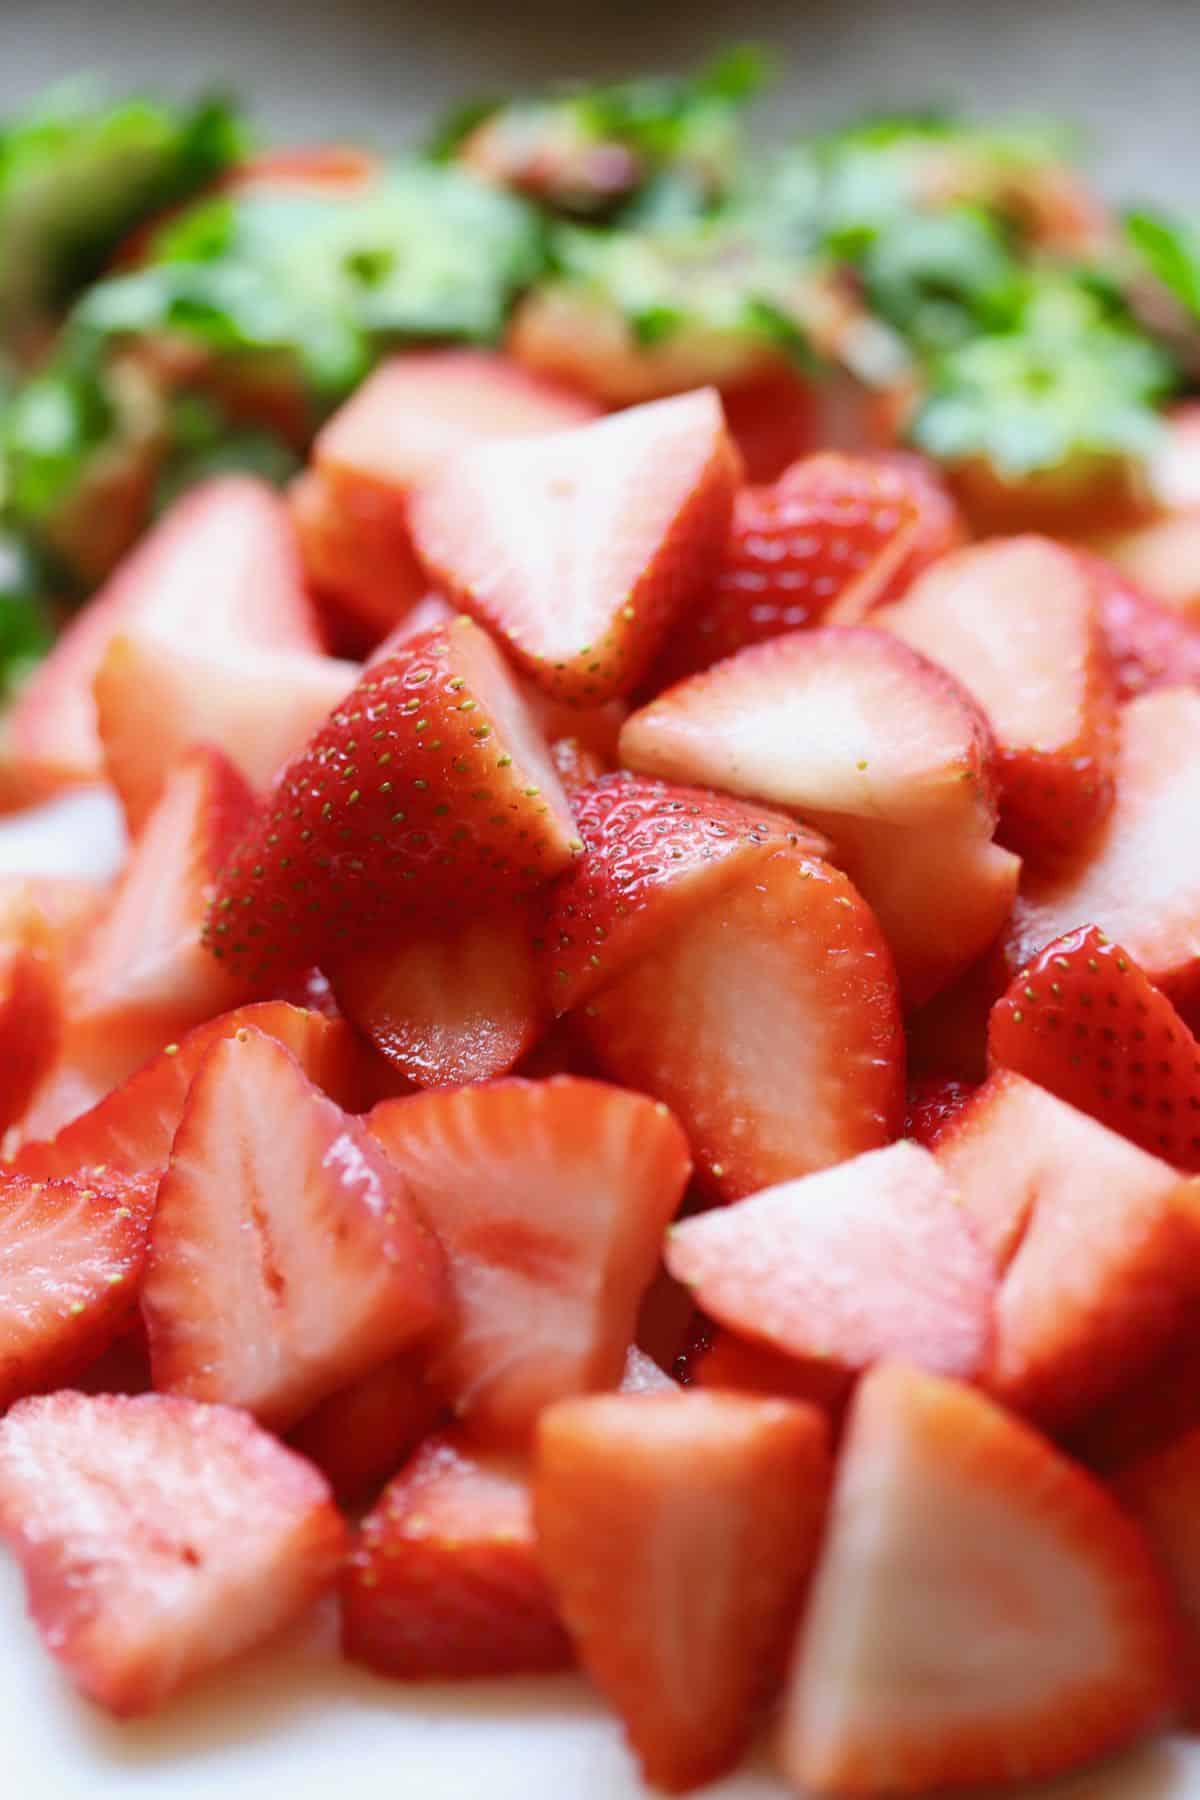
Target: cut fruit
{"type": "Point", "coordinates": [1035, 1637]}
{"type": "Point", "coordinates": [551, 1199]}
{"type": "Point", "coordinates": [1163, 1494]}
{"type": "Point", "coordinates": [158, 1538]}
{"type": "Point", "coordinates": [361, 1435]}
{"type": "Point", "coordinates": [677, 1531]}
{"type": "Point", "coordinates": [286, 1259]}
{"type": "Point", "coordinates": [716, 1358]}
{"type": "Point", "coordinates": [443, 1582]}
{"type": "Point", "coordinates": [357, 553]}
{"type": "Point", "coordinates": [1149, 646]}
{"type": "Point", "coordinates": [934, 1102]}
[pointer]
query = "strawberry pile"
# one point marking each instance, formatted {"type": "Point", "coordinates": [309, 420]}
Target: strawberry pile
{"type": "Point", "coordinates": [746, 931]}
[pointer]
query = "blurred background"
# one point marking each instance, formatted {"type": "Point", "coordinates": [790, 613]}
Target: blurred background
{"type": "Point", "coordinates": [1126, 73]}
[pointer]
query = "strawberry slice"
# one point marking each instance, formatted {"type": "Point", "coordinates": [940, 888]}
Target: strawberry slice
{"type": "Point", "coordinates": [142, 976]}
{"type": "Point", "coordinates": [30, 1026]}
{"type": "Point", "coordinates": [429, 794]}
{"type": "Point", "coordinates": [940, 525]}
{"type": "Point", "coordinates": [1162, 557]}
{"type": "Point", "coordinates": [677, 1531]}
{"type": "Point", "coordinates": [876, 746]}
{"type": "Point", "coordinates": [576, 765]}
{"type": "Point", "coordinates": [130, 1131]}
{"type": "Point", "coordinates": [833, 530]}
{"type": "Point", "coordinates": [220, 569]}
{"type": "Point", "coordinates": [653, 854]}
{"type": "Point", "coordinates": [1016, 622]}
{"type": "Point", "coordinates": [934, 1102]}
{"type": "Point", "coordinates": [1149, 646]}
{"type": "Point", "coordinates": [947, 1037]}
{"type": "Point", "coordinates": [1140, 880]}
{"type": "Point", "coordinates": [156, 699]}
{"type": "Point", "coordinates": [463, 1003]}
{"type": "Point", "coordinates": [581, 547]}
{"type": "Point", "coordinates": [1035, 1640]}
{"type": "Point", "coordinates": [443, 1582]}
{"type": "Point", "coordinates": [551, 1198]}
{"type": "Point", "coordinates": [768, 1021]}
{"type": "Point", "coordinates": [716, 1358]}
{"type": "Point", "coordinates": [1083, 1021]}
{"type": "Point", "coordinates": [1146, 1414]}
{"type": "Point", "coordinates": [1162, 1492]}
{"type": "Point", "coordinates": [285, 1261]}
{"type": "Point", "coordinates": [71, 1258]}
{"type": "Point", "coordinates": [773, 419]}
{"type": "Point", "coordinates": [360, 1436]}
{"type": "Point", "coordinates": [158, 1538]}
{"type": "Point", "coordinates": [870, 1260]}
{"type": "Point", "coordinates": [642, 1374]}
{"type": "Point", "coordinates": [1096, 1242]}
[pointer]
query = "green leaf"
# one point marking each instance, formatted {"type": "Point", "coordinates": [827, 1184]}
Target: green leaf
{"type": "Point", "coordinates": [206, 442]}
{"type": "Point", "coordinates": [1170, 249]}
{"type": "Point", "coordinates": [25, 633]}
{"type": "Point", "coordinates": [48, 435]}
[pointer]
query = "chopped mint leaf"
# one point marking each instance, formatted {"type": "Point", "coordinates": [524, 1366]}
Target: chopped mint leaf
{"type": "Point", "coordinates": [1170, 250]}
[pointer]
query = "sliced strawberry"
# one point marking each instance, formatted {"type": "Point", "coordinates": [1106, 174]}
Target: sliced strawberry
{"type": "Point", "coordinates": [158, 1538]}
{"type": "Point", "coordinates": [940, 525]}
{"type": "Point", "coordinates": [575, 765]}
{"type": "Point", "coordinates": [1036, 1638]}
{"type": "Point", "coordinates": [1016, 622]}
{"type": "Point", "coordinates": [443, 1581]}
{"type": "Point", "coordinates": [717, 1358]}
{"type": "Point", "coordinates": [833, 530]}
{"type": "Point", "coordinates": [551, 1198]}
{"type": "Point", "coordinates": [772, 419]}
{"type": "Point", "coordinates": [642, 1374]}
{"type": "Point", "coordinates": [1147, 1414]}
{"type": "Point", "coordinates": [581, 548]}
{"type": "Point", "coordinates": [142, 976]}
{"type": "Point", "coordinates": [461, 1004]}
{"type": "Point", "coordinates": [221, 568]}
{"type": "Point", "coordinates": [870, 1260]}
{"type": "Point", "coordinates": [357, 553]}
{"type": "Point", "coordinates": [876, 746]}
{"type": "Point", "coordinates": [130, 1131]}
{"type": "Point", "coordinates": [769, 1023]}
{"type": "Point", "coordinates": [71, 1258]}
{"type": "Point", "coordinates": [947, 1037]}
{"type": "Point", "coordinates": [1083, 1021]}
{"type": "Point", "coordinates": [1149, 646]}
{"type": "Point", "coordinates": [30, 1026]}
{"type": "Point", "coordinates": [934, 1101]}
{"type": "Point", "coordinates": [429, 794]}
{"type": "Point", "coordinates": [286, 1259]}
{"type": "Point", "coordinates": [1161, 556]}
{"type": "Point", "coordinates": [677, 1531]}
{"type": "Point", "coordinates": [653, 854]}
{"type": "Point", "coordinates": [156, 699]}
{"type": "Point", "coordinates": [1097, 1244]}
{"type": "Point", "coordinates": [361, 1435]}
{"type": "Point", "coordinates": [1162, 1492]}
{"type": "Point", "coordinates": [1140, 880]}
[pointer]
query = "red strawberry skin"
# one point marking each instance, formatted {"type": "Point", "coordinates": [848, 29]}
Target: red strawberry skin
{"type": "Point", "coordinates": [158, 1538]}
{"type": "Point", "coordinates": [30, 1026]}
{"type": "Point", "coordinates": [714, 1357]}
{"type": "Point", "coordinates": [360, 1436]}
{"type": "Point", "coordinates": [415, 801]}
{"type": "Point", "coordinates": [443, 1581]}
{"type": "Point", "coordinates": [1162, 1491]}
{"type": "Point", "coordinates": [1083, 1021]}
{"type": "Point", "coordinates": [934, 1102]}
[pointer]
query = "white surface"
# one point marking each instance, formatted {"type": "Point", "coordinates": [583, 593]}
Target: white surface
{"type": "Point", "coordinates": [297, 1723]}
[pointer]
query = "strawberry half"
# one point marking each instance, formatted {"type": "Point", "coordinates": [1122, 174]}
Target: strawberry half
{"type": "Point", "coordinates": [71, 1259]}
{"type": "Point", "coordinates": [158, 1538]}
{"type": "Point", "coordinates": [1036, 1639]}
{"type": "Point", "coordinates": [1083, 1021]}
{"type": "Point", "coordinates": [768, 1021]}
{"type": "Point", "coordinates": [653, 854]}
{"type": "Point", "coordinates": [30, 1025]}
{"type": "Point", "coordinates": [130, 1131]}
{"type": "Point", "coordinates": [580, 548]}
{"type": "Point", "coordinates": [714, 1357]}
{"type": "Point", "coordinates": [358, 557]}
{"type": "Point", "coordinates": [1097, 1246]}
{"type": "Point", "coordinates": [443, 1581]}
{"type": "Point", "coordinates": [551, 1198]}
{"type": "Point", "coordinates": [1162, 1492]}
{"type": "Point", "coordinates": [429, 794]}
{"type": "Point", "coordinates": [285, 1257]}
{"type": "Point", "coordinates": [1140, 879]}
{"type": "Point", "coordinates": [934, 1102]}
{"type": "Point", "coordinates": [1016, 622]}
{"type": "Point", "coordinates": [870, 1260]}
{"type": "Point", "coordinates": [676, 1531]}
{"type": "Point", "coordinates": [359, 1436]}
{"type": "Point", "coordinates": [1149, 646]}
{"type": "Point", "coordinates": [1161, 557]}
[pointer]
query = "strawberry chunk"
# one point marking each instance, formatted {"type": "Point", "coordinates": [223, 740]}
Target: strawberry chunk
{"type": "Point", "coordinates": [220, 569]}
{"type": "Point", "coordinates": [1016, 622]}
{"type": "Point", "coordinates": [715, 1357]}
{"type": "Point", "coordinates": [158, 1538]}
{"type": "Point", "coordinates": [130, 1131]}
{"type": "Point", "coordinates": [653, 855]}
{"type": "Point", "coordinates": [1097, 1244]}
{"type": "Point", "coordinates": [768, 1021]}
{"type": "Point", "coordinates": [463, 1003]}
{"type": "Point", "coordinates": [286, 1259]}
{"type": "Point", "coordinates": [1140, 880]}
{"type": "Point", "coordinates": [1083, 1021]}
{"type": "Point", "coordinates": [1162, 557]}
{"type": "Point", "coordinates": [551, 1198]}
{"type": "Point", "coordinates": [940, 525]}
{"type": "Point", "coordinates": [870, 1260]}
{"type": "Point", "coordinates": [156, 699]}
{"type": "Point", "coordinates": [677, 1531]}
{"type": "Point", "coordinates": [642, 1374]}
{"type": "Point", "coordinates": [429, 794]}
{"type": "Point", "coordinates": [359, 1436]}
{"type": "Point", "coordinates": [1036, 1639]}
{"type": "Point", "coordinates": [71, 1259]}
{"type": "Point", "coordinates": [443, 1581]}
{"type": "Point", "coordinates": [357, 553]}
{"type": "Point", "coordinates": [30, 1026]}
{"type": "Point", "coordinates": [1162, 1492]}
{"type": "Point", "coordinates": [580, 548]}
{"type": "Point", "coordinates": [934, 1102]}
{"type": "Point", "coordinates": [1149, 646]}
